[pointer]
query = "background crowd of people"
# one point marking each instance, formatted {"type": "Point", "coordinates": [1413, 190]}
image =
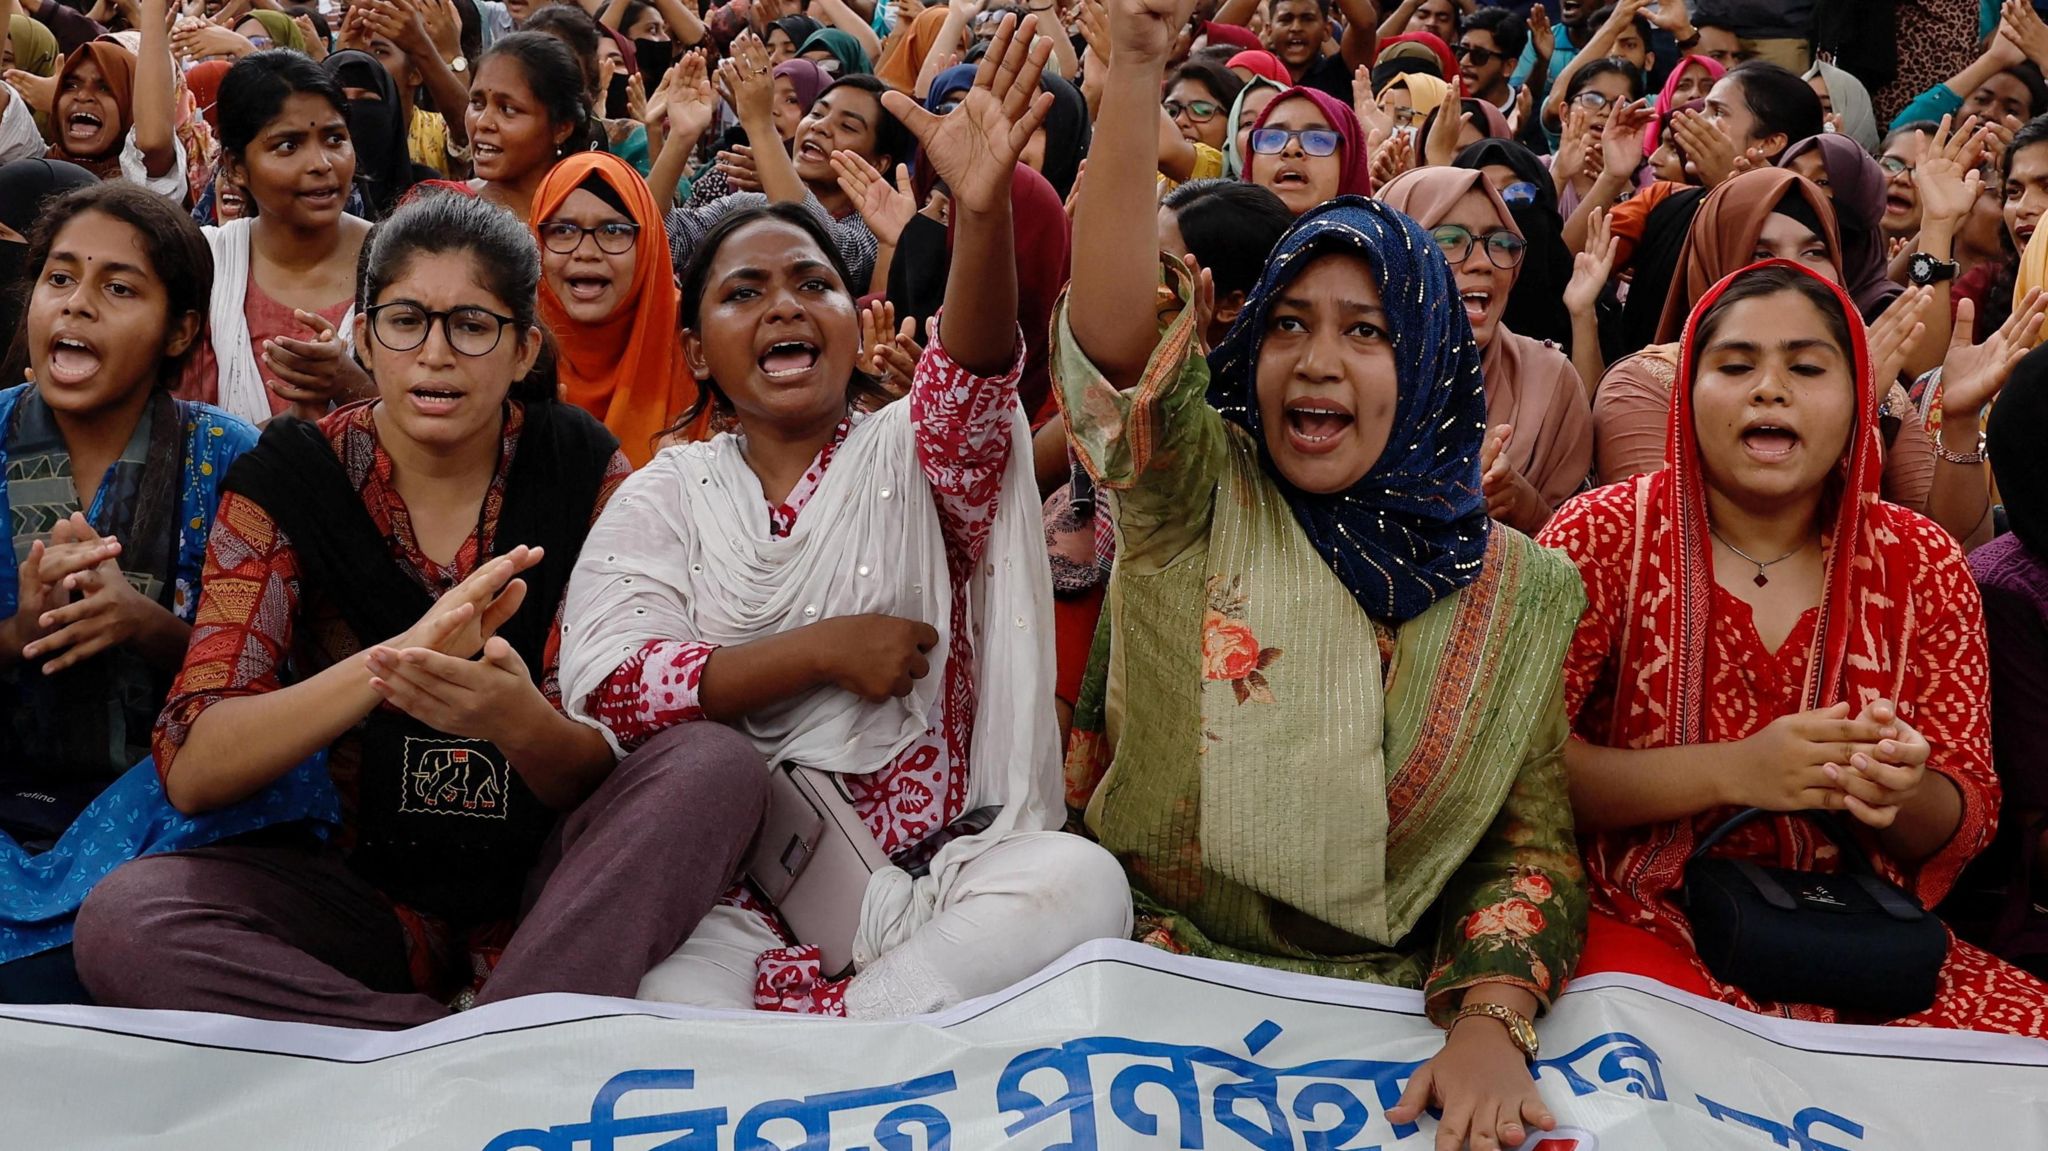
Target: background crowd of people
{"type": "Point", "coordinates": [1386, 489]}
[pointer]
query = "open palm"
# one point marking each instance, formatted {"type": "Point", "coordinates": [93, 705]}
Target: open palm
{"type": "Point", "coordinates": [974, 148]}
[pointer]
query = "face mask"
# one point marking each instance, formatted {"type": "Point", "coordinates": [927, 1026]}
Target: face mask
{"type": "Point", "coordinates": [656, 57]}
{"type": "Point", "coordinates": [615, 99]}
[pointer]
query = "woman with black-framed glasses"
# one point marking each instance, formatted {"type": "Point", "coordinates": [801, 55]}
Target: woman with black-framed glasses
{"type": "Point", "coordinates": [384, 587]}
{"type": "Point", "coordinates": [1539, 443]}
{"type": "Point", "coordinates": [608, 297]}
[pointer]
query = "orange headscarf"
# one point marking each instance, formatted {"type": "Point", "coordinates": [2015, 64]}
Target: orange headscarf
{"type": "Point", "coordinates": [900, 67]}
{"type": "Point", "coordinates": [627, 370]}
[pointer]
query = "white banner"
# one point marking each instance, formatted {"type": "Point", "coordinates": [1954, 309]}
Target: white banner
{"type": "Point", "coordinates": [1117, 1046]}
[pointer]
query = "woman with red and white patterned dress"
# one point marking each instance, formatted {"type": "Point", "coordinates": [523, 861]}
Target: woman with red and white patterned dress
{"type": "Point", "coordinates": [861, 592]}
{"type": "Point", "coordinates": [1762, 631]}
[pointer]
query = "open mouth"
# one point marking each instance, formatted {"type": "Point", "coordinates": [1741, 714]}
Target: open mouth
{"type": "Point", "coordinates": [788, 359]}
{"type": "Point", "coordinates": [321, 196]}
{"type": "Point", "coordinates": [1313, 426]}
{"type": "Point", "coordinates": [2025, 233]}
{"type": "Point", "coordinates": [482, 151]}
{"type": "Point", "coordinates": [1476, 303]}
{"type": "Point", "coordinates": [588, 288]}
{"type": "Point", "coordinates": [1290, 177]}
{"type": "Point", "coordinates": [72, 360]}
{"type": "Point", "coordinates": [1770, 442]}
{"type": "Point", "coordinates": [814, 151]}
{"type": "Point", "coordinates": [83, 126]}
{"type": "Point", "coordinates": [434, 399]}
{"type": "Point", "coordinates": [1898, 204]}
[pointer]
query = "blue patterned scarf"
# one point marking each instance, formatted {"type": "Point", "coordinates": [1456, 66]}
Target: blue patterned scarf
{"type": "Point", "coordinates": [1413, 529]}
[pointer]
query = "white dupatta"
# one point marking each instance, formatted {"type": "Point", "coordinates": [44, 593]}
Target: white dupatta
{"type": "Point", "coordinates": [241, 388]}
{"type": "Point", "coordinates": [683, 552]}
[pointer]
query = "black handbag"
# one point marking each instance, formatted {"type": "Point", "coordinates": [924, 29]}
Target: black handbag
{"type": "Point", "coordinates": [1850, 940]}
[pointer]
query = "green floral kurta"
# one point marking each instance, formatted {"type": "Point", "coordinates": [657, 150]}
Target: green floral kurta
{"type": "Point", "coordinates": [1289, 782]}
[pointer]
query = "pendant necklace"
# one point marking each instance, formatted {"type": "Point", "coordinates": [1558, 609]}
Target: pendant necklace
{"type": "Point", "coordinates": [1761, 580]}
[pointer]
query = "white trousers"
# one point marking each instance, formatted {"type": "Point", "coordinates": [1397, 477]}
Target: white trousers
{"type": "Point", "coordinates": [1025, 901]}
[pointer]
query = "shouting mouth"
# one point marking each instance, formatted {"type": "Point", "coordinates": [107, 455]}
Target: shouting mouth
{"type": "Point", "coordinates": [1476, 303]}
{"type": "Point", "coordinates": [1313, 426]}
{"type": "Point", "coordinates": [788, 359]}
{"type": "Point", "coordinates": [588, 288]}
{"type": "Point", "coordinates": [435, 399]}
{"type": "Point", "coordinates": [1770, 443]}
{"type": "Point", "coordinates": [83, 126]}
{"type": "Point", "coordinates": [72, 361]}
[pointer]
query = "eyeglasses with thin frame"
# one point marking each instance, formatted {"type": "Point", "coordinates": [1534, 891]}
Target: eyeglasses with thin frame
{"type": "Point", "coordinates": [403, 325]}
{"type": "Point", "coordinates": [1504, 249]}
{"type": "Point", "coordinates": [614, 237]}
{"type": "Point", "coordinates": [1314, 141]}
{"type": "Point", "coordinates": [1200, 111]}
{"type": "Point", "coordinates": [1893, 166]}
{"type": "Point", "coordinates": [1476, 54]}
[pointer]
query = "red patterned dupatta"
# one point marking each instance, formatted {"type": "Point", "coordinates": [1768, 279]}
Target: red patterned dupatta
{"type": "Point", "coordinates": [1666, 701]}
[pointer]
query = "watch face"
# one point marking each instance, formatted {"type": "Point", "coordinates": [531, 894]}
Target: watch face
{"type": "Point", "coordinates": [1920, 266]}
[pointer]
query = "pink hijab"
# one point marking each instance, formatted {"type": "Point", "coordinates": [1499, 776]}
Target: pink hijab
{"type": "Point", "coordinates": [1356, 177]}
{"type": "Point", "coordinates": [1260, 62]}
{"type": "Point", "coordinates": [1667, 100]}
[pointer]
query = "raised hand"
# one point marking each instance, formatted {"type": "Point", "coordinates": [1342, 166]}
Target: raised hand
{"type": "Point", "coordinates": [1574, 148]}
{"type": "Point", "coordinates": [39, 91]}
{"type": "Point", "coordinates": [1366, 106]}
{"type": "Point", "coordinates": [690, 104]}
{"type": "Point", "coordinates": [1897, 332]}
{"type": "Point", "coordinates": [1148, 30]}
{"type": "Point", "coordinates": [1394, 156]}
{"type": "Point", "coordinates": [889, 351]}
{"type": "Point", "coordinates": [749, 83]}
{"type": "Point", "coordinates": [1621, 142]}
{"type": "Point", "coordinates": [1710, 155]}
{"type": "Point", "coordinates": [443, 24]}
{"type": "Point", "coordinates": [1972, 375]}
{"type": "Point", "coordinates": [975, 147]}
{"type": "Point", "coordinates": [1542, 36]}
{"type": "Point", "coordinates": [1441, 147]}
{"type": "Point", "coordinates": [2020, 27]}
{"type": "Point", "coordinates": [1593, 266]}
{"type": "Point", "coordinates": [199, 40]}
{"type": "Point", "coordinates": [736, 164]}
{"type": "Point", "coordinates": [1947, 178]}
{"type": "Point", "coordinates": [887, 211]}
{"type": "Point", "coordinates": [636, 99]}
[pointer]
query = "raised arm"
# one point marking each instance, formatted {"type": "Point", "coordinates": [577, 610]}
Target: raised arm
{"type": "Point", "coordinates": [155, 100]}
{"type": "Point", "coordinates": [838, 15]}
{"type": "Point", "coordinates": [1598, 48]}
{"type": "Point", "coordinates": [684, 104]}
{"type": "Point", "coordinates": [1397, 20]}
{"type": "Point", "coordinates": [1361, 24]}
{"type": "Point", "coordinates": [749, 83]}
{"type": "Point", "coordinates": [975, 150]}
{"type": "Point", "coordinates": [1111, 305]}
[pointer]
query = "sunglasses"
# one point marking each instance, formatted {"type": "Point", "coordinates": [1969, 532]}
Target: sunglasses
{"type": "Point", "coordinates": [1478, 55]}
{"type": "Point", "coordinates": [1198, 110]}
{"type": "Point", "coordinates": [1314, 141]}
{"type": "Point", "coordinates": [1504, 249]}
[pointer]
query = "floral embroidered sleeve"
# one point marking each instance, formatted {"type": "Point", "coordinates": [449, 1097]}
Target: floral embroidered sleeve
{"type": "Point", "coordinates": [654, 690]}
{"type": "Point", "coordinates": [1159, 448]}
{"type": "Point", "coordinates": [961, 423]}
{"type": "Point", "coordinates": [242, 632]}
{"type": "Point", "coordinates": [1515, 911]}
{"type": "Point", "coordinates": [1946, 686]}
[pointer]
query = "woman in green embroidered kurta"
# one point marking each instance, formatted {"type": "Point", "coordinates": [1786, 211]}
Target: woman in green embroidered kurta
{"type": "Point", "coordinates": [1329, 690]}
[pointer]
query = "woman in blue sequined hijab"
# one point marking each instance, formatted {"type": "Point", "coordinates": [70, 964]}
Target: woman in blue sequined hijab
{"type": "Point", "coordinates": [1353, 366]}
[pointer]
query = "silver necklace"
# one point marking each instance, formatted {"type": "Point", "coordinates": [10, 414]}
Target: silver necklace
{"type": "Point", "coordinates": [1761, 579]}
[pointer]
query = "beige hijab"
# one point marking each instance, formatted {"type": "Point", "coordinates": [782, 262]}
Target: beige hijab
{"type": "Point", "coordinates": [1529, 383]}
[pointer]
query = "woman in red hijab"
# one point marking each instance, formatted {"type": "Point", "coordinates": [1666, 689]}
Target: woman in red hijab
{"type": "Point", "coordinates": [1308, 148]}
{"type": "Point", "coordinates": [1752, 608]}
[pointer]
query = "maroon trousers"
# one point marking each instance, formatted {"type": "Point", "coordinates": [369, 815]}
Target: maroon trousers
{"type": "Point", "coordinates": [284, 932]}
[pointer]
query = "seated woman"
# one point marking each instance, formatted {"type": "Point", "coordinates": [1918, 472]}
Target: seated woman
{"type": "Point", "coordinates": [1308, 148]}
{"type": "Point", "coordinates": [112, 485]}
{"type": "Point", "coordinates": [1763, 631]}
{"type": "Point", "coordinates": [1306, 580]}
{"type": "Point", "coordinates": [284, 281]}
{"type": "Point", "coordinates": [860, 593]}
{"type": "Point", "coordinates": [607, 296]}
{"type": "Point", "coordinates": [115, 118]}
{"type": "Point", "coordinates": [358, 569]}
{"type": "Point", "coordinates": [527, 110]}
{"type": "Point", "coordinates": [1764, 214]}
{"type": "Point", "coordinates": [1540, 444]}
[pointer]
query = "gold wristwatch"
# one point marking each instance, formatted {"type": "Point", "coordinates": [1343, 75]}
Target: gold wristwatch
{"type": "Point", "coordinates": [1521, 1032]}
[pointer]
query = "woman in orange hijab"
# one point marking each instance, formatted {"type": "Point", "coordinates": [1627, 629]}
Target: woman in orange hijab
{"type": "Point", "coordinates": [609, 297]}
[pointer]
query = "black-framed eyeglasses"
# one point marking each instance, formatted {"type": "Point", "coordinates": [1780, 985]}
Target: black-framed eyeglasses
{"type": "Point", "coordinates": [1476, 54]}
{"type": "Point", "coordinates": [615, 237]}
{"type": "Point", "coordinates": [403, 325]}
{"type": "Point", "coordinates": [1201, 111]}
{"type": "Point", "coordinates": [1596, 101]}
{"type": "Point", "coordinates": [1314, 141]}
{"type": "Point", "coordinates": [1504, 249]}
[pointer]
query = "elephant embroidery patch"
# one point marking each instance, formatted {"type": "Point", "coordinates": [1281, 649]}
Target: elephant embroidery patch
{"type": "Point", "coordinates": [454, 777]}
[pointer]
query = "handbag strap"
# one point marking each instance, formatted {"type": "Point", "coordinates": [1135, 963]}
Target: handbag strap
{"type": "Point", "coordinates": [1888, 897]}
